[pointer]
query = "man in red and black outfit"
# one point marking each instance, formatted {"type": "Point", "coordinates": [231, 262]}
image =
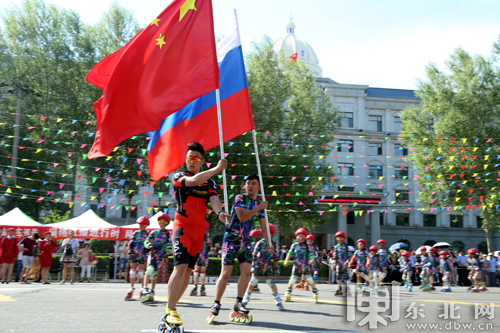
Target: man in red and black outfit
{"type": "Point", "coordinates": [193, 191]}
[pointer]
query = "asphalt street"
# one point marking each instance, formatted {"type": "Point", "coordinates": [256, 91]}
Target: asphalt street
{"type": "Point", "coordinates": [99, 307]}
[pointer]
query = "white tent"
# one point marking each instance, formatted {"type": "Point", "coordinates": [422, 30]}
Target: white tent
{"type": "Point", "coordinates": [153, 223]}
{"type": "Point", "coordinates": [17, 218]}
{"type": "Point", "coordinates": [22, 223]}
{"type": "Point", "coordinates": [87, 225]}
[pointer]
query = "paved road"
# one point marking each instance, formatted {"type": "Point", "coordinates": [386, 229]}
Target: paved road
{"type": "Point", "coordinates": [99, 307]}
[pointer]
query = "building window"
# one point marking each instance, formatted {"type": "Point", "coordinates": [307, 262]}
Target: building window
{"type": "Point", "coordinates": [375, 148]}
{"type": "Point", "coordinates": [101, 212]}
{"type": "Point", "coordinates": [381, 218]}
{"type": "Point", "coordinates": [376, 190]}
{"type": "Point", "coordinates": [346, 146]}
{"type": "Point", "coordinates": [375, 171]}
{"type": "Point", "coordinates": [456, 221]}
{"type": "Point", "coordinates": [403, 219]}
{"type": "Point", "coordinates": [346, 169]}
{"type": "Point", "coordinates": [429, 220]}
{"type": "Point", "coordinates": [401, 173]}
{"type": "Point", "coordinates": [400, 150]}
{"type": "Point", "coordinates": [375, 123]}
{"type": "Point", "coordinates": [346, 189]}
{"type": "Point", "coordinates": [350, 217]}
{"type": "Point", "coordinates": [479, 222]}
{"type": "Point", "coordinates": [133, 213]}
{"type": "Point", "coordinates": [347, 119]}
{"type": "Point", "coordinates": [398, 124]}
{"type": "Point", "coordinates": [402, 196]}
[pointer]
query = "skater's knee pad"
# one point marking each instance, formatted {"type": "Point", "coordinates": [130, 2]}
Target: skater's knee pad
{"type": "Point", "coordinates": [132, 273]}
{"type": "Point", "coordinates": [270, 282]}
{"type": "Point", "coordinates": [155, 275]}
{"type": "Point", "coordinates": [150, 270]}
{"type": "Point", "coordinates": [202, 275]}
{"type": "Point", "coordinates": [293, 279]}
{"type": "Point", "coordinates": [140, 273]}
{"type": "Point", "coordinates": [254, 281]}
{"type": "Point", "coordinates": [445, 278]}
{"type": "Point", "coordinates": [195, 273]}
{"type": "Point", "coordinates": [310, 279]}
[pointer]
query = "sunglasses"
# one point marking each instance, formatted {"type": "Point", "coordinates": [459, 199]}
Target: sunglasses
{"type": "Point", "coordinates": [193, 159]}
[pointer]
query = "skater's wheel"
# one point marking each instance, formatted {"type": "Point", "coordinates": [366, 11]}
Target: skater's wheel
{"type": "Point", "coordinates": [249, 318]}
{"type": "Point", "coordinates": [210, 319]}
{"type": "Point", "coordinates": [180, 329]}
{"type": "Point", "coordinates": [161, 326]}
{"type": "Point", "coordinates": [232, 317]}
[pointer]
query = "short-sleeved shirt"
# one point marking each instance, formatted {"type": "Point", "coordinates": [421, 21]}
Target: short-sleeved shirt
{"type": "Point", "coordinates": [237, 230]}
{"type": "Point", "coordinates": [341, 253]}
{"type": "Point", "coordinates": [375, 262]}
{"type": "Point", "coordinates": [361, 256]}
{"type": "Point", "coordinates": [136, 244]}
{"type": "Point", "coordinates": [263, 253]}
{"type": "Point", "coordinates": [383, 254]}
{"type": "Point", "coordinates": [446, 265]}
{"type": "Point", "coordinates": [29, 245]}
{"type": "Point", "coordinates": [191, 201]}
{"type": "Point", "coordinates": [159, 240]}
{"type": "Point", "coordinates": [301, 252]}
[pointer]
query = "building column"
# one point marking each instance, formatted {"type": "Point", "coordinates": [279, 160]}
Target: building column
{"type": "Point", "coordinates": [342, 222]}
{"type": "Point", "coordinates": [375, 226]}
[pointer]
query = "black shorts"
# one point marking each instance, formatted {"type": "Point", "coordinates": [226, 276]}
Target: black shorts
{"type": "Point", "coordinates": [187, 245]}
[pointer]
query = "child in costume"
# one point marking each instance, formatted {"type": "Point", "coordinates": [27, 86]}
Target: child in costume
{"type": "Point", "coordinates": [476, 268]}
{"type": "Point", "coordinates": [304, 258]}
{"type": "Point", "coordinates": [446, 268]}
{"type": "Point", "coordinates": [265, 263]}
{"type": "Point", "coordinates": [374, 265]}
{"type": "Point", "coordinates": [358, 262]}
{"type": "Point", "coordinates": [156, 243]}
{"type": "Point", "coordinates": [341, 256]}
{"type": "Point", "coordinates": [200, 268]}
{"type": "Point", "coordinates": [405, 269]}
{"type": "Point", "coordinates": [137, 254]}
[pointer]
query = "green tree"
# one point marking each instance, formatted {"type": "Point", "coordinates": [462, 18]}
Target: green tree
{"type": "Point", "coordinates": [453, 156]}
{"type": "Point", "coordinates": [287, 103]}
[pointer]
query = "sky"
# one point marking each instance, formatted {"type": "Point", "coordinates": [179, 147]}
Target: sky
{"type": "Point", "coordinates": [383, 43]}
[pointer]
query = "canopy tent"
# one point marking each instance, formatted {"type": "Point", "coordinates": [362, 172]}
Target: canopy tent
{"type": "Point", "coordinates": [128, 230]}
{"type": "Point", "coordinates": [87, 225]}
{"type": "Point", "coordinates": [22, 223]}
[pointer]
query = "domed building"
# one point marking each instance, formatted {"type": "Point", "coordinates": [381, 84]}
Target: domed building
{"type": "Point", "coordinates": [291, 44]}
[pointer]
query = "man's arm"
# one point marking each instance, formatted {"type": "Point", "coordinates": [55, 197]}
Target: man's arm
{"type": "Point", "coordinates": [217, 207]}
{"type": "Point", "coordinates": [245, 215]}
{"type": "Point", "coordinates": [202, 177]}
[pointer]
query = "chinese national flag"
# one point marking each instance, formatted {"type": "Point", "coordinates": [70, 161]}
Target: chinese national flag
{"type": "Point", "coordinates": [164, 67]}
{"type": "Point", "coordinates": [294, 57]}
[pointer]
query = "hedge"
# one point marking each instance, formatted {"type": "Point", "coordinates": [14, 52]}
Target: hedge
{"type": "Point", "coordinates": [213, 269]}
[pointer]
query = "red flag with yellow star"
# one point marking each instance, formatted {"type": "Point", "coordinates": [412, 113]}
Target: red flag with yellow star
{"type": "Point", "coordinates": [168, 64]}
{"type": "Point", "coordinates": [293, 57]}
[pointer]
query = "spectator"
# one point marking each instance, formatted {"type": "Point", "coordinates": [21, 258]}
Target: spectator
{"type": "Point", "coordinates": [332, 263]}
{"type": "Point", "coordinates": [283, 252]}
{"type": "Point", "coordinates": [462, 271]}
{"type": "Point", "coordinates": [85, 263]}
{"type": "Point", "coordinates": [19, 265]}
{"type": "Point", "coordinates": [27, 245]}
{"type": "Point", "coordinates": [493, 273]}
{"type": "Point", "coordinates": [46, 247]}
{"type": "Point", "coordinates": [8, 254]}
{"type": "Point", "coordinates": [486, 269]}
{"type": "Point", "coordinates": [69, 257]}
{"type": "Point", "coordinates": [218, 250]}
{"type": "Point", "coordinates": [123, 256]}
{"type": "Point", "coordinates": [35, 269]}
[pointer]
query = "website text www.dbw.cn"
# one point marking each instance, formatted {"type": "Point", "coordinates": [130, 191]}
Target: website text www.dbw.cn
{"type": "Point", "coordinates": [450, 326]}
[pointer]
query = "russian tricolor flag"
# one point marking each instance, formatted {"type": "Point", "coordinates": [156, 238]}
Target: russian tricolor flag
{"type": "Point", "coordinates": [197, 122]}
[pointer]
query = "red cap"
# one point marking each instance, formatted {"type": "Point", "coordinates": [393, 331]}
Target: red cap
{"type": "Point", "coordinates": [272, 228]}
{"type": "Point", "coordinates": [443, 253]}
{"type": "Point", "coordinates": [423, 248]}
{"type": "Point", "coordinates": [11, 229]}
{"type": "Point", "coordinates": [361, 240]}
{"type": "Point", "coordinates": [301, 231]}
{"type": "Point", "coordinates": [143, 220]}
{"type": "Point", "coordinates": [373, 248]}
{"type": "Point", "coordinates": [340, 234]}
{"type": "Point", "coordinates": [472, 251]}
{"type": "Point", "coordinates": [164, 218]}
{"type": "Point", "coordinates": [433, 249]}
{"type": "Point", "coordinates": [405, 254]}
{"type": "Point", "coordinates": [47, 233]}
{"type": "Point", "coordinates": [255, 233]}
{"type": "Point", "coordinates": [311, 236]}
{"type": "Point", "coordinates": [381, 241]}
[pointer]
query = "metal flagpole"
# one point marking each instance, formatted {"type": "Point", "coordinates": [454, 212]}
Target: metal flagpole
{"type": "Point", "coordinates": [221, 143]}
{"type": "Point", "coordinates": [269, 241]}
